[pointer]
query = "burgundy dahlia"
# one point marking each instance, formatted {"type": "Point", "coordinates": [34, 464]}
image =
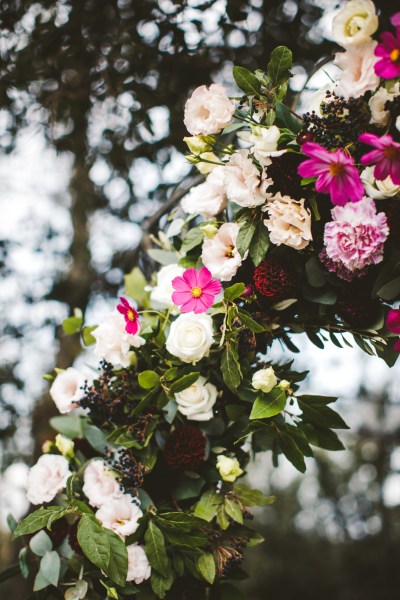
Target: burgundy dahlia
{"type": "Point", "coordinates": [273, 280]}
{"type": "Point", "coordinates": [185, 448]}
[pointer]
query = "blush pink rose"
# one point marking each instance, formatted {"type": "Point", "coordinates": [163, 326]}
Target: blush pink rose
{"type": "Point", "coordinates": [121, 515]}
{"type": "Point", "coordinates": [358, 75]}
{"type": "Point", "coordinates": [47, 478]}
{"type": "Point", "coordinates": [139, 568]}
{"type": "Point", "coordinates": [208, 110]}
{"type": "Point", "coordinates": [99, 484]}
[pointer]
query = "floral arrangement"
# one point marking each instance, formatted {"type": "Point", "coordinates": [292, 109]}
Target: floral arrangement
{"type": "Point", "coordinates": [295, 229]}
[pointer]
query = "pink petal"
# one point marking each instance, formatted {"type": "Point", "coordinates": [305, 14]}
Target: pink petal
{"type": "Point", "coordinates": [396, 346]}
{"type": "Point", "coordinates": [181, 297]}
{"type": "Point", "coordinates": [178, 283]}
{"type": "Point", "coordinates": [125, 302]}
{"type": "Point", "coordinates": [190, 305]}
{"type": "Point", "coordinates": [202, 304]}
{"type": "Point", "coordinates": [213, 287]}
{"type": "Point", "coordinates": [132, 327]}
{"type": "Point", "coordinates": [204, 277]}
{"type": "Point", "coordinates": [323, 183]}
{"type": "Point", "coordinates": [191, 277]}
{"type": "Point", "coordinates": [316, 151]}
{"type": "Point", "coordinates": [393, 321]}
{"type": "Point", "coordinates": [389, 41]}
{"type": "Point", "coordinates": [371, 157]}
{"type": "Point", "coordinates": [122, 309]}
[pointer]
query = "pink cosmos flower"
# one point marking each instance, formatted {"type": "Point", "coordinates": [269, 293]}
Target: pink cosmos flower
{"type": "Point", "coordinates": [386, 156]}
{"type": "Point", "coordinates": [388, 67]}
{"type": "Point", "coordinates": [130, 315]}
{"type": "Point", "coordinates": [393, 324]}
{"type": "Point", "coordinates": [335, 172]}
{"type": "Point", "coordinates": [195, 290]}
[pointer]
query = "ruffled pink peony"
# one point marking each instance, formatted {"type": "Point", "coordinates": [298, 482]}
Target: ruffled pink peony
{"type": "Point", "coordinates": [393, 324]}
{"type": "Point", "coordinates": [335, 172]}
{"type": "Point", "coordinates": [386, 156]}
{"type": "Point", "coordinates": [195, 291]}
{"type": "Point", "coordinates": [356, 235]}
{"type": "Point", "coordinates": [208, 110]}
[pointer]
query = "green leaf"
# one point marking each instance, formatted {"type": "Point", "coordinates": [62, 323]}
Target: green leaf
{"type": "Point", "coordinates": [245, 235]}
{"type": "Point", "coordinates": [230, 368]}
{"type": "Point", "coordinates": [222, 518]}
{"type": "Point", "coordinates": [50, 567]}
{"type": "Point", "coordinates": [268, 405]}
{"type": "Point", "coordinates": [95, 436]}
{"type": "Point", "coordinates": [135, 283]}
{"type": "Point", "coordinates": [322, 437]}
{"type": "Point", "coordinates": [40, 582]}
{"type": "Point", "coordinates": [159, 584]}
{"type": "Point", "coordinates": [24, 562]}
{"type": "Point", "coordinates": [193, 238]}
{"type": "Point", "coordinates": [259, 244]}
{"type": "Point", "coordinates": [11, 522]}
{"type": "Point", "coordinates": [254, 539]}
{"type": "Point", "coordinates": [67, 425]}
{"type": "Point", "coordinates": [73, 324]}
{"type": "Point", "coordinates": [87, 337]}
{"type": "Point", "coordinates": [284, 118]}
{"type": "Point", "coordinates": [155, 549]}
{"type": "Point", "coordinates": [316, 276]}
{"type": "Point", "coordinates": [148, 380]}
{"type": "Point", "coordinates": [162, 256]}
{"type": "Point", "coordinates": [233, 510]}
{"type": "Point", "coordinates": [39, 519]}
{"type": "Point", "coordinates": [40, 544]}
{"type": "Point", "coordinates": [189, 488]}
{"type": "Point", "coordinates": [292, 451]}
{"type": "Point", "coordinates": [279, 64]}
{"type": "Point", "coordinates": [185, 539]}
{"type": "Point", "coordinates": [179, 520]}
{"type": "Point", "coordinates": [184, 382]}
{"type": "Point", "coordinates": [207, 506]}
{"type": "Point", "coordinates": [322, 416]}
{"type": "Point", "coordinates": [250, 497]}
{"type": "Point", "coordinates": [246, 81]}
{"type": "Point", "coordinates": [118, 563]}
{"type": "Point", "coordinates": [390, 290]}
{"type": "Point", "coordinates": [206, 567]}
{"type": "Point", "coordinates": [316, 400]}
{"type": "Point", "coordinates": [94, 542]}
{"type": "Point", "coordinates": [234, 291]}
{"type": "Point", "coordinates": [248, 320]}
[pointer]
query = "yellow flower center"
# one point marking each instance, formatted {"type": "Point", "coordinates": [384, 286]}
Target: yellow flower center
{"type": "Point", "coordinates": [336, 169]}
{"type": "Point", "coordinates": [229, 252]}
{"type": "Point", "coordinates": [131, 315]}
{"type": "Point", "coordinates": [395, 55]}
{"type": "Point", "coordinates": [197, 292]}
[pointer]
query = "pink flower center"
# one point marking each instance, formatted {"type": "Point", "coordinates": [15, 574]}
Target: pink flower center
{"type": "Point", "coordinates": [336, 169]}
{"type": "Point", "coordinates": [196, 292]}
{"type": "Point", "coordinates": [395, 55]}
{"type": "Point", "coordinates": [131, 315]}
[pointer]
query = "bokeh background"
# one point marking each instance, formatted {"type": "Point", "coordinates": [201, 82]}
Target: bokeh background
{"type": "Point", "coordinates": [91, 106]}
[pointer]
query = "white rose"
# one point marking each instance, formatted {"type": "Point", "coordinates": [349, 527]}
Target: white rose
{"type": "Point", "coordinates": [67, 389]}
{"type": "Point", "coordinates": [208, 110]}
{"type": "Point", "coordinates": [377, 189]}
{"type": "Point", "coordinates": [289, 222]}
{"type": "Point", "coordinates": [244, 184]}
{"type": "Point", "coordinates": [100, 484]}
{"type": "Point", "coordinates": [264, 142]}
{"type": "Point", "coordinates": [229, 468]}
{"type": "Point", "coordinates": [355, 23]}
{"type": "Point", "coordinates": [196, 401]}
{"type": "Point", "coordinates": [161, 294]}
{"type": "Point", "coordinates": [264, 380]}
{"type": "Point", "coordinates": [380, 116]}
{"type": "Point", "coordinates": [139, 568]}
{"type": "Point", "coordinates": [47, 478]}
{"type": "Point", "coordinates": [121, 515]}
{"type": "Point", "coordinates": [220, 255]}
{"type": "Point", "coordinates": [208, 198]}
{"type": "Point", "coordinates": [113, 343]}
{"type": "Point", "coordinates": [190, 337]}
{"type": "Point", "coordinates": [358, 74]}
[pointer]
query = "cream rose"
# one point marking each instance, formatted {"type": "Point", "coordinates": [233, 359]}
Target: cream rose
{"type": "Point", "coordinates": [289, 222]}
{"type": "Point", "coordinates": [244, 184]}
{"type": "Point", "coordinates": [67, 389]}
{"type": "Point", "coordinates": [380, 116]}
{"type": "Point", "coordinates": [121, 515]}
{"type": "Point", "coordinates": [161, 294]}
{"type": "Point", "coordinates": [264, 380]}
{"type": "Point", "coordinates": [47, 478]}
{"type": "Point", "coordinates": [228, 468]}
{"type": "Point", "coordinates": [190, 337]}
{"type": "Point", "coordinates": [113, 343]}
{"type": "Point", "coordinates": [264, 143]}
{"type": "Point", "coordinates": [208, 110]}
{"type": "Point", "coordinates": [139, 568]}
{"type": "Point", "coordinates": [355, 23]}
{"type": "Point", "coordinates": [100, 484]}
{"type": "Point", "coordinates": [358, 74]}
{"type": "Point", "coordinates": [220, 255]}
{"type": "Point", "coordinates": [208, 198]}
{"type": "Point", "coordinates": [376, 189]}
{"type": "Point", "coordinates": [196, 401]}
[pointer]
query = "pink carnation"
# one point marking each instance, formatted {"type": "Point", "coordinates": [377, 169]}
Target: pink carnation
{"type": "Point", "coordinates": [356, 235]}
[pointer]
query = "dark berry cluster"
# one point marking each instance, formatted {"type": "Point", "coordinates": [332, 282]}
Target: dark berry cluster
{"type": "Point", "coordinates": [229, 555]}
{"type": "Point", "coordinates": [185, 448]}
{"type": "Point", "coordinates": [273, 280]}
{"type": "Point", "coordinates": [131, 472]}
{"type": "Point", "coordinates": [341, 123]}
{"type": "Point", "coordinates": [109, 400]}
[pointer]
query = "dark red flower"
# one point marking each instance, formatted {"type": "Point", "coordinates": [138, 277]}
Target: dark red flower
{"type": "Point", "coordinates": [355, 306]}
{"type": "Point", "coordinates": [273, 280]}
{"type": "Point", "coordinates": [185, 448]}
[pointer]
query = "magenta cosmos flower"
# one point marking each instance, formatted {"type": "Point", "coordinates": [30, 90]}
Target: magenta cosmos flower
{"type": "Point", "coordinates": [130, 315]}
{"type": "Point", "coordinates": [393, 324]}
{"type": "Point", "coordinates": [195, 290]}
{"type": "Point", "coordinates": [335, 172]}
{"type": "Point", "coordinates": [386, 156]}
{"type": "Point", "coordinates": [388, 67]}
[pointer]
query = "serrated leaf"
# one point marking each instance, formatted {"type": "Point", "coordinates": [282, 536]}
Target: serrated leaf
{"type": "Point", "coordinates": [268, 405]}
{"type": "Point", "coordinates": [155, 549]}
{"type": "Point", "coordinates": [206, 567]}
{"type": "Point", "coordinates": [246, 81]}
{"type": "Point", "coordinates": [245, 235]}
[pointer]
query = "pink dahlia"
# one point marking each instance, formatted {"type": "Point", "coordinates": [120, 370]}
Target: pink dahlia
{"type": "Point", "coordinates": [388, 67]}
{"type": "Point", "coordinates": [386, 156]}
{"type": "Point", "coordinates": [335, 172]}
{"type": "Point", "coordinates": [356, 235]}
{"type": "Point", "coordinates": [393, 324]}
{"type": "Point", "coordinates": [130, 315]}
{"type": "Point", "coordinates": [195, 291]}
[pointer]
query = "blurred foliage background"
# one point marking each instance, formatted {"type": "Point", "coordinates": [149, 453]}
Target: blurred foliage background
{"type": "Point", "coordinates": [91, 105]}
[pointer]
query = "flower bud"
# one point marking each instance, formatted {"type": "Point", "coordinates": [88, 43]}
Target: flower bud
{"type": "Point", "coordinates": [199, 143]}
{"type": "Point", "coordinates": [228, 468]}
{"type": "Point", "coordinates": [284, 385]}
{"type": "Point", "coordinates": [210, 230]}
{"type": "Point", "coordinates": [206, 167]}
{"type": "Point", "coordinates": [64, 445]}
{"type": "Point", "coordinates": [264, 380]}
{"type": "Point", "coordinates": [47, 445]}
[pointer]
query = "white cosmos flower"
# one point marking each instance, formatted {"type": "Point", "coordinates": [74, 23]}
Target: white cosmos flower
{"type": "Point", "coordinates": [100, 484]}
{"type": "Point", "coordinates": [190, 337]}
{"type": "Point", "coordinates": [197, 401]}
{"type": "Point", "coordinates": [139, 568]}
{"type": "Point", "coordinates": [47, 478]}
{"type": "Point", "coordinates": [67, 389]}
{"type": "Point", "coordinates": [121, 515]}
{"type": "Point", "coordinates": [113, 343]}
